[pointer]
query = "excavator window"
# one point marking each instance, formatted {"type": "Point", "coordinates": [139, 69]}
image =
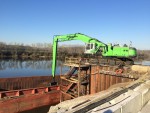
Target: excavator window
{"type": "Point", "coordinates": [90, 46]}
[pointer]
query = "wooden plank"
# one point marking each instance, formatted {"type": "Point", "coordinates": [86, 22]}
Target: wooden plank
{"type": "Point", "coordinates": [74, 80]}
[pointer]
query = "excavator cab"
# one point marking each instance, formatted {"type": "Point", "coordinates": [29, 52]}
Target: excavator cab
{"type": "Point", "coordinates": [89, 48]}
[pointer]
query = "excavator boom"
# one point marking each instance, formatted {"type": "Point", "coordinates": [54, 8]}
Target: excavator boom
{"type": "Point", "coordinates": [77, 36]}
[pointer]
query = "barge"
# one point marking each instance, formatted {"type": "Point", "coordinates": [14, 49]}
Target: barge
{"type": "Point", "coordinates": [27, 93]}
{"type": "Point", "coordinates": [85, 80]}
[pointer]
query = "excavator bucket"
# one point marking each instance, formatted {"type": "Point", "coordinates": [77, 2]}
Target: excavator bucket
{"type": "Point", "coordinates": [53, 83]}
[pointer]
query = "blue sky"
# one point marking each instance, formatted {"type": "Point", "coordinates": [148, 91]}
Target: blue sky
{"type": "Point", "coordinates": [115, 21]}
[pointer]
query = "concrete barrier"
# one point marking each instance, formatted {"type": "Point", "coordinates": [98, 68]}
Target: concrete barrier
{"type": "Point", "coordinates": [140, 68]}
{"type": "Point", "coordinates": [130, 102]}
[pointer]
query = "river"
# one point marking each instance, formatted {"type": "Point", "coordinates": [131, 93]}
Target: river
{"type": "Point", "coordinates": [22, 68]}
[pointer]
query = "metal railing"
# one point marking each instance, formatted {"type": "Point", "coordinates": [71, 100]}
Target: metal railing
{"type": "Point", "coordinates": [71, 60]}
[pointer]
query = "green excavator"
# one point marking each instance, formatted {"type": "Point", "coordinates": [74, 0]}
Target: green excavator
{"type": "Point", "coordinates": [93, 46]}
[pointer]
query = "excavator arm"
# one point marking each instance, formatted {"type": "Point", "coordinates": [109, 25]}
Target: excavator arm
{"type": "Point", "coordinates": [92, 45]}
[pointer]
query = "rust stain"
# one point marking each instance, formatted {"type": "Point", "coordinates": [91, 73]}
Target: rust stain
{"type": "Point", "coordinates": [26, 99]}
{"type": "Point", "coordinates": [25, 82]}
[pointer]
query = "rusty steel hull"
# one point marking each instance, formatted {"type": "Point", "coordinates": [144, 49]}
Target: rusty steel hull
{"type": "Point", "coordinates": [100, 81]}
{"type": "Point", "coordinates": [26, 93]}
{"type": "Point", "coordinates": [27, 99]}
{"type": "Point", "coordinates": [25, 82]}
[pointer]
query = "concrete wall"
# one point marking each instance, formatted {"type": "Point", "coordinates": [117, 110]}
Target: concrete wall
{"type": "Point", "coordinates": [130, 102]}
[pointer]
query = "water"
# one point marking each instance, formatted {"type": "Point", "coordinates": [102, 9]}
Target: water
{"type": "Point", "coordinates": [144, 63]}
{"type": "Point", "coordinates": [21, 68]}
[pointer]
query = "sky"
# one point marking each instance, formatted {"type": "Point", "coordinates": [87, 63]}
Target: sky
{"type": "Point", "coordinates": [110, 21]}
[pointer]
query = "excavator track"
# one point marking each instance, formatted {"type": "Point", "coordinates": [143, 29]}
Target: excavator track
{"type": "Point", "coordinates": [112, 61]}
